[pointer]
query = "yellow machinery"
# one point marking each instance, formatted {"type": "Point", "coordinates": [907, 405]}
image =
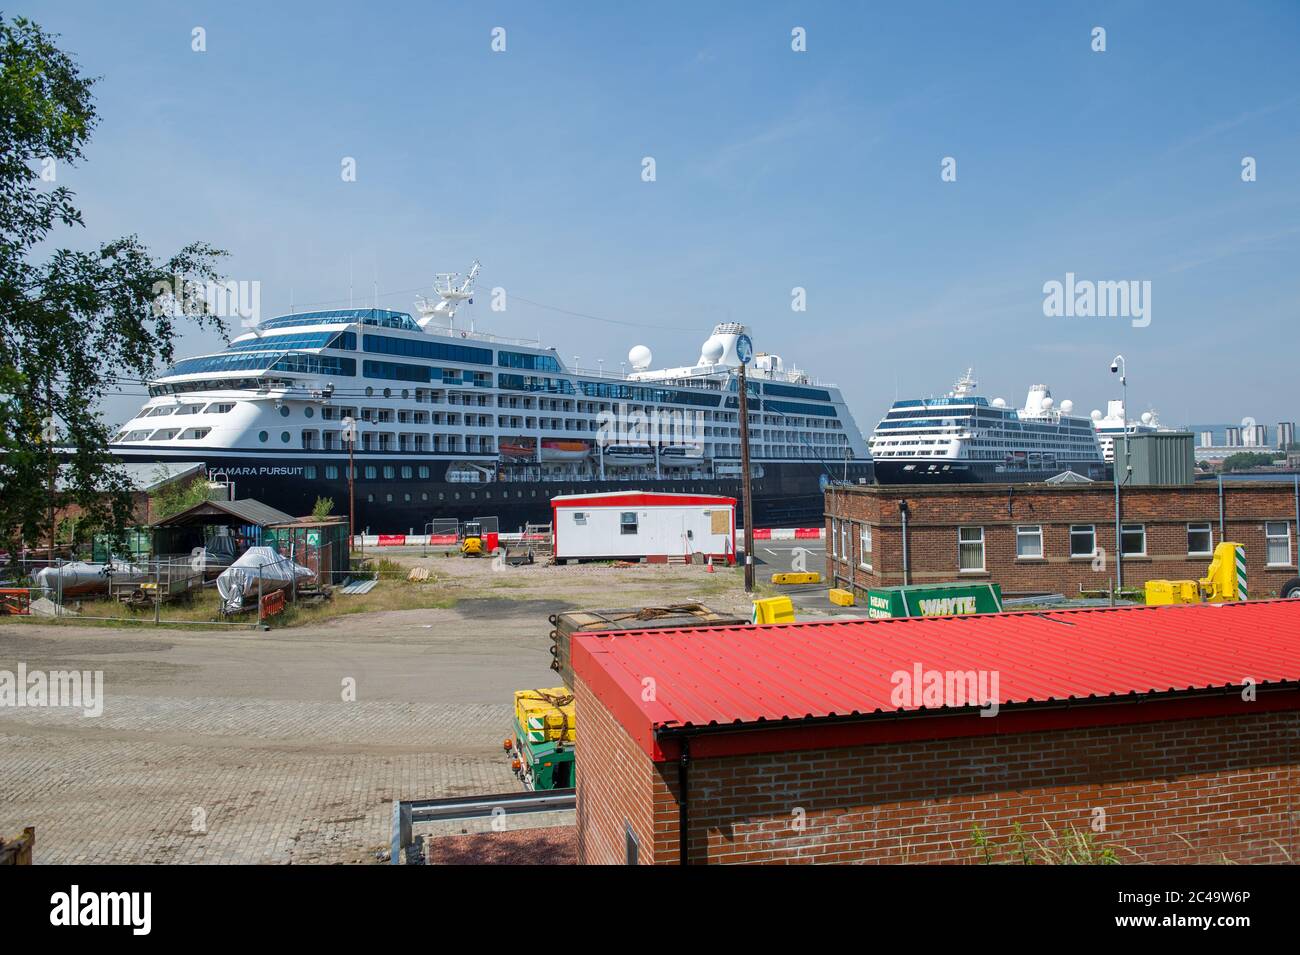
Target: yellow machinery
{"type": "Point", "coordinates": [1224, 581]}
{"type": "Point", "coordinates": [774, 610]}
{"type": "Point", "coordinates": [471, 540]}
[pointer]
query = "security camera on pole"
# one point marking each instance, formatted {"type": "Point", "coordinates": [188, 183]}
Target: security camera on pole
{"type": "Point", "coordinates": [745, 351]}
{"type": "Point", "coordinates": [1119, 367]}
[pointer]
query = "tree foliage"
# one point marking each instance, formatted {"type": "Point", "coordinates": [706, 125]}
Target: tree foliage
{"type": "Point", "coordinates": [177, 496]}
{"type": "Point", "coordinates": [1245, 460]}
{"type": "Point", "coordinates": [323, 508]}
{"type": "Point", "coordinates": [73, 324]}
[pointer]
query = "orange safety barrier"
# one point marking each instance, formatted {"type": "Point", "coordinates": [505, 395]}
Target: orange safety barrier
{"type": "Point", "coordinates": [272, 604]}
{"type": "Point", "coordinates": [15, 602]}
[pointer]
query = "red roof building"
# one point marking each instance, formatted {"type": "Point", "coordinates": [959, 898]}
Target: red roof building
{"type": "Point", "coordinates": [1177, 724]}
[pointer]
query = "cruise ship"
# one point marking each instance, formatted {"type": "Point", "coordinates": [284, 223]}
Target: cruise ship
{"type": "Point", "coordinates": [964, 437]}
{"type": "Point", "coordinates": [447, 421]}
{"type": "Point", "coordinates": [1112, 424]}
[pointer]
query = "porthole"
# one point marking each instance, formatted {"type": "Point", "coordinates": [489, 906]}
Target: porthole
{"type": "Point", "coordinates": [308, 411]}
{"type": "Point", "coordinates": [388, 499]}
{"type": "Point", "coordinates": [388, 392]}
{"type": "Point", "coordinates": [369, 391]}
{"type": "Point", "coordinates": [284, 411]}
{"type": "Point", "coordinates": [284, 436]}
{"type": "Point", "coordinates": [262, 436]}
{"type": "Point", "coordinates": [406, 498]}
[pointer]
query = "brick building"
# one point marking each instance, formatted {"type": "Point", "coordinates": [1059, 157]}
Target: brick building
{"type": "Point", "coordinates": [1045, 538]}
{"type": "Point", "coordinates": [790, 744]}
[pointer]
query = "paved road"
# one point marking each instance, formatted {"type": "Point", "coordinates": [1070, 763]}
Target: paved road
{"type": "Point", "coordinates": [773, 557]}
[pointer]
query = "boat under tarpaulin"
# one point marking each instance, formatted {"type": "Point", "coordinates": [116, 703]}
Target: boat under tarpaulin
{"type": "Point", "coordinates": [79, 578]}
{"type": "Point", "coordinates": [259, 570]}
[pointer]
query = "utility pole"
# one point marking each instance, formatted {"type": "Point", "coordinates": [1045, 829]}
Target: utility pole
{"type": "Point", "coordinates": [350, 436]}
{"type": "Point", "coordinates": [49, 434]}
{"type": "Point", "coordinates": [745, 496]}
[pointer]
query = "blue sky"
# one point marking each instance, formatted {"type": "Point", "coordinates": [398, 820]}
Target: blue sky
{"type": "Point", "coordinates": [775, 169]}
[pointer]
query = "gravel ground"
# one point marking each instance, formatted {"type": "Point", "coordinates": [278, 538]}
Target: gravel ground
{"type": "Point", "coordinates": [240, 746]}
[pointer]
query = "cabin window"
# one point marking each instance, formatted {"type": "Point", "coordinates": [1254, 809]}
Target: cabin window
{"type": "Point", "coordinates": [627, 522]}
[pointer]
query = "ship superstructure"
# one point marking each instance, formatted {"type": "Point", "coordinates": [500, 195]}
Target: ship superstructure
{"type": "Point", "coordinates": [965, 437]}
{"type": "Point", "coordinates": [450, 421]}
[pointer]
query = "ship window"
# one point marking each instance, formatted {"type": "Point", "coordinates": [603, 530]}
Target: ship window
{"type": "Point", "coordinates": [406, 498]}
{"type": "Point", "coordinates": [284, 436]}
{"type": "Point", "coordinates": [284, 411]}
{"type": "Point", "coordinates": [627, 522]}
{"type": "Point", "coordinates": [406, 472]}
{"type": "Point", "coordinates": [1083, 540]}
{"type": "Point", "coordinates": [1200, 540]}
{"type": "Point", "coordinates": [388, 499]}
{"type": "Point", "coordinates": [423, 472]}
{"type": "Point", "coordinates": [307, 411]}
{"type": "Point", "coordinates": [1133, 539]}
{"type": "Point", "coordinates": [370, 499]}
{"type": "Point", "coordinates": [262, 436]}
{"type": "Point", "coordinates": [970, 549]}
{"type": "Point", "coordinates": [388, 472]}
{"type": "Point", "coordinates": [1029, 541]}
{"type": "Point", "coordinates": [371, 472]}
{"type": "Point", "coordinates": [310, 472]}
{"type": "Point", "coordinates": [424, 495]}
{"type": "Point", "coordinates": [331, 472]}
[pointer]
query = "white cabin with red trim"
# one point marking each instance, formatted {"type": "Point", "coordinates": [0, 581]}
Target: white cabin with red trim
{"type": "Point", "coordinates": [634, 525]}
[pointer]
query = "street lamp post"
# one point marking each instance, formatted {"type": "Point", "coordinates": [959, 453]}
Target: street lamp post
{"type": "Point", "coordinates": [1119, 366]}
{"type": "Point", "coordinates": [350, 436]}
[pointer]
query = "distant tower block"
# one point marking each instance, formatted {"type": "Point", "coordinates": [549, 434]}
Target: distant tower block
{"type": "Point", "coordinates": [1285, 434]}
{"type": "Point", "coordinates": [1207, 439]}
{"type": "Point", "coordinates": [1233, 436]}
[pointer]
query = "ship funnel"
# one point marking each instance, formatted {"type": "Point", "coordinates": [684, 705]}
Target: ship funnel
{"type": "Point", "coordinates": [720, 348]}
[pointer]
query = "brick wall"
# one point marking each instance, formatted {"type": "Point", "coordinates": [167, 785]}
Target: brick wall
{"type": "Point", "coordinates": [937, 513]}
{"type": "Point", "coordinates": [618, 786]}
{"type": "Point", "coordinates": [1191, 791]}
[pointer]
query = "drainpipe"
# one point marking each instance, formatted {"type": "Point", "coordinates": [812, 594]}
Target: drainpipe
{"type": "Point", "coordinates": [683, 809]}
{"type": "Point", "coordinates": [902, 510]}
{"type": "Point", "coordinates": [1223, 534]}
{"type": "Point", "coordinates": [1297, 515]}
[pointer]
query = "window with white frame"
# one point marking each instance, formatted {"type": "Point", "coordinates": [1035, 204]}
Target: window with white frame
{"type": "Point", "coordinates": [846, 543]}
{"type": "Point", "coordinates": [1277, 536]}
{"type": "Point", "coordinates": [1200, 539]}
{"type": "Point", "coordinates": [834, 543]}
{"type": "Point", "coordinates": [1029, 541]}
{"type": "Point", "coordinates": [970, 549]}
{"type": "Point", "coordinates": [1083, 540]}
{"type": "Point", "coordinates": [627, 522]}
{"type": "Point", "coordinates": [864, 546]}
{"type": "Point", "coordinates": [1133, 540]}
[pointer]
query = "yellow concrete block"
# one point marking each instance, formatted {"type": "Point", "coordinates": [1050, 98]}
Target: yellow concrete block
{"type": "Point", "coordinates": [811, 577]}
{"type": "Point", "coordinates": [774, 610]}
{"type": "Point", "coordinates": [841, 598]}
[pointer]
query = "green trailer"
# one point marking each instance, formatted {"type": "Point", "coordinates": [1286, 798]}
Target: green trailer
{"type": "Point", "coordinates": [543, 765]}
{"type": "Point", "coordinates": [934, 600]}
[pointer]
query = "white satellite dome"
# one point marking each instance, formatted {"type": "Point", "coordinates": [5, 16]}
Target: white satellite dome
{"type": "Point", "coordinates": [712, 351]}
{"type": "Point", "coordinates": [1048, 402]}
{"type": "Point", "coordinates": [999, 402]}
{"type": "Point", "coordinates": [640, 357]}
{"type": "Point", "coordinates": [1146, 417]}
{"type": "Point", "coordinates": [1095, 415]}
{"type": "Point", "coordinates": [1067, 406]}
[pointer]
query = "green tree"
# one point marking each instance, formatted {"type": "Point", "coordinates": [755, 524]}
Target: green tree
{"type": "Point", "coordinates": [1245, 460]}
{"type": "Point", "coordinates": [73, 324]}
{"type": "Point", "coordinates": [323, 508]}
{"type": "Point", "coordinates": [176, 497]}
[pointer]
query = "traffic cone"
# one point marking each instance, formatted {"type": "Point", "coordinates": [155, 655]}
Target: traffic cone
{"type": "Point", "coordinates": [710, 565]}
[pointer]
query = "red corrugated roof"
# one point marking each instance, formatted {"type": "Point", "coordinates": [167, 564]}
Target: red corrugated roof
{"type": "Point", "coordinates": [816, 671]}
